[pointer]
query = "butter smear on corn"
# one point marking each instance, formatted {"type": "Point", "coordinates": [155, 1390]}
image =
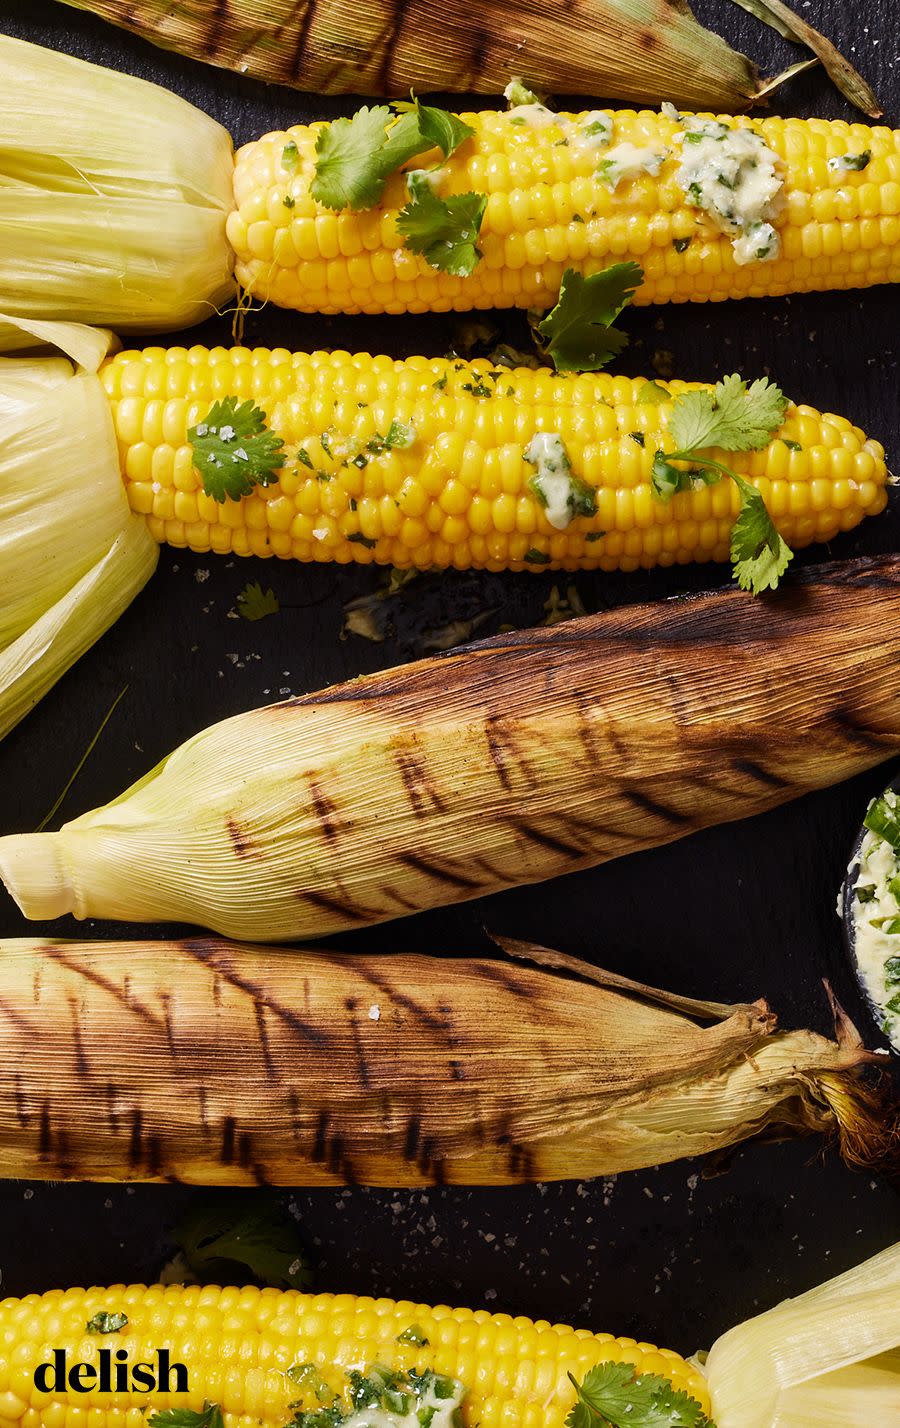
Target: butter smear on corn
{"type": "Point", "coordinates": [735, 177]}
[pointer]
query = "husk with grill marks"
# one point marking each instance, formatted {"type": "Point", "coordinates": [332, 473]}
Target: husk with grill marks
{"type": "Point", "coordinates": [512, 760]}
{"type": "Point", "coordinates": [215, 1063]}
{"type": "Point", "coordinates": [646, 50]}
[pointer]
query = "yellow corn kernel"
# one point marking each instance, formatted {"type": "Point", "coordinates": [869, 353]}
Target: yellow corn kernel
{"type": "Point", "coordinates": [838, 229]}
{"type": "Point", "coordinates": [461, 493]}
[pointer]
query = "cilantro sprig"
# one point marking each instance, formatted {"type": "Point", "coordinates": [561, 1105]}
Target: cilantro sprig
{"type": "Point", "coordinates": [234, 451]}
{"type": "Point", "coordinates": [578, 335]}
{"type": "Point", "coordinates": [445, 231]}
{"type": "Point", "coordinates": [731, 417]}
{"type": "Point", "coordinates": [209, 1417]}
{"type": "Point", "coordinates": [355, 157]}
{"type": "Point", "coordinates": [611, 1395]}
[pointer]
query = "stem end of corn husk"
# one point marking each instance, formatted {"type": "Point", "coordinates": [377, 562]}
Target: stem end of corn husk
{"type": "Point", "coordinates": [33, 871]}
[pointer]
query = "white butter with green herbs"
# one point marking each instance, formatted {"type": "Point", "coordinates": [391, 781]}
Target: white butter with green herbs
{"type": "Point", "coordinates": [875, 913]}
{"type": "Point", "coordinates": [553, 483]}
{"type": "Point", "coordinates": [424, 1407]}
{"type": "Point", "coordinates": [628, 161]}
{"type": "Point", "coordinates": [735, 178]}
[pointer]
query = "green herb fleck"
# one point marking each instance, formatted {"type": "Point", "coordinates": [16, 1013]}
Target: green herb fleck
{"type": "Point", "coordinates": [681, 245]}
{"type": "Point", "coordinates": [652, 394]}
{"type": "Point", "coordinates": [536, 557]}
{"type": "Point", "coordinates": [289, 200]}
{"type": "Point", "coordinates": [357, 538]}
{"type": "Point", "coordinates": [595, 535]}
{"type": "Point", "coordinates": [791, 445]}
{"type": "Point", "coordinates": [303, 457]}
{"type": "Point", "coordinates": [106, 1323]}
{"type": "Point", "coordinates": [415, 1334]}
{"type": "Point", "coordinates": [637, 436]}
{"type": "Point", "coordinates": [290, 156]}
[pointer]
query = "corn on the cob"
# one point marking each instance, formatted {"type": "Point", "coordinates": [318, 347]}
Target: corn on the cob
{"type": "Point", "coordinates": [522, 757]}
{"type": "Point", "coordinates": [238, 1345]}
{"type": "Point", "coordinates": [546, 211]}
{"type": "Point", "coordinates": [143, 208]}
{"type": "Point", "coordinates": [258, 1065]}
{"type": "Point", "coordinates": [458, 493]}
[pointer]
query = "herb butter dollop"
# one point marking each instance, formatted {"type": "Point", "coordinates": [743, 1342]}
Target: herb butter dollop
{"type": "Point", "coordinates": [875, 911]}
{"type": "Point", "coordinates": [735, 178]}
{"type": "Point", "coordinates": [562, 494]}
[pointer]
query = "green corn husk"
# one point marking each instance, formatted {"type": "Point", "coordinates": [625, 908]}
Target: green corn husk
{"type": "Point", "coordinates": [72, 555]}
{"type": "Point", "coordinates": [827, 1359]}
{"type": "Point", "coordinates": [620, 49]}
{"type": "Point", "coordinates": [113, 197]}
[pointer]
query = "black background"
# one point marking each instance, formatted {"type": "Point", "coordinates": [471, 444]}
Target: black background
{"type": "Point", "coordinates": [732, 913]}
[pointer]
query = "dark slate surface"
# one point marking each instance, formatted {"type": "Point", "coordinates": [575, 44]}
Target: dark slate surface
{"type": "Point", "coordinates": [733, 913]}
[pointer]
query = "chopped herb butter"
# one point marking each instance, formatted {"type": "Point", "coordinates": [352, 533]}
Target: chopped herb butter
{"type": "Point", "coordinates": [627, 161]}
{"type": "Point", "coordinates": [595, 130]}
{"type": "Point", "coordinates": [875, 911]}
{"type": "Point", "coordinates": [562, 494]}
{"type": "Point", "coordinates": [850, 163]}
{"type": "Point", "coordinates": [535, 116]}
{"type": "Point", "coordinates": [734, 177]}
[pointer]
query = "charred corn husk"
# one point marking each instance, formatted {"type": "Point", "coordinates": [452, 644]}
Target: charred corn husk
{"type": "Point", "coordinates": [457, 490]}
{"type": "Point", "coordinates": [548, 210]}
{"type": "Point", "coordinates": [621, 48]}
{"type": "Point", "coordinates": [238, 1345]}
{"type": "Point", "coordinates": [64, 582]}
{"type": "Point", "coordinates": [525, 756]}
{"type": "Point", "coordinates": [141, 209]}
{"type": "Point", "coordinates": [249, 1064]}
{"type": "Point", "coordinates": [828, 1359]}
{"type": "Point", "coordinates": [113, 197]}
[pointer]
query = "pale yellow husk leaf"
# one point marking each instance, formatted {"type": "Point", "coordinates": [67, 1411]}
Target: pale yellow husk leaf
{"type": "Point", "coordinates": [829, 1357]}
{"type": "Point", "coordinates": [113, 197]}
{"type": "Point", "coordinates": [72, 554]}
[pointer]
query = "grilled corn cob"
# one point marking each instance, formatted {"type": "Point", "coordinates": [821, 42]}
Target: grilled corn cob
{"type": "Point", "coordinates": [548, 211]}
{"type": "Point", "coordinates": [238, 1345]}
{"type": "Point", "coordinates": [457, 492]}
{"type": "Point", "coordinates": [251, 1065]}
{"type": "Point", "coordinates": [522, 757]}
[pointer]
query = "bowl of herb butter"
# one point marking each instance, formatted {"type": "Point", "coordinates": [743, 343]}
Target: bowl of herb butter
{"type": "Point", "coordinates": [869, 905]}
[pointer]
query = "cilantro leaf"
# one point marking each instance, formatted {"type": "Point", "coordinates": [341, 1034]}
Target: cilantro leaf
{"type": "Point", "coordinates": [759, 554]}
{"type": "Point", "coordinates": [106, 1323]}
{"type": "Point", "coordinates": [444, 230]}
{"type": "Point", "coordinates": [443, 130]}
{"type": "Point", "coordinates": [234, 451]}
{"type": "Point", "coordinates": [355, 157]}
{"type": "Point", "coordinates": [222, 1234]}
{"type": "Point", "coordinates": [254, 603]}
{"type": "Point", "coordinates": [210, 1417]}
{"type": "Point", "coordinates": [733, 416]}
{"type": "Point", "coordinates": [349, 173]}
{"type": "Point", "coordinates": [613, 1396]}
{"type": "Point", "coordinates": [579, 335]}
